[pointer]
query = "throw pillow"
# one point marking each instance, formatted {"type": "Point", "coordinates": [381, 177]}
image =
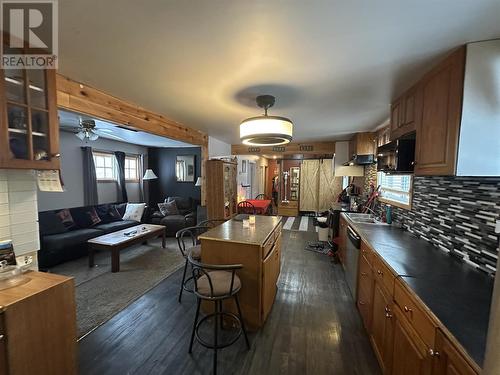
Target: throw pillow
{"type": "Point", "coordinates": [169, 208]}
{"type": "Point", "coordinates": [134, 211]}
{"type": "Point", "coordinates": [114, 214]}
{"type": "Point", "coordinates": [66, 218]}
{"type": "Point", "coordinates": [94, 219]}
{"type": "Point", "coordinates": [49, 223]}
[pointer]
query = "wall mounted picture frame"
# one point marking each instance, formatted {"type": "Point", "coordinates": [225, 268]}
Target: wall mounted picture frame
{"type": "Point", "coordinates": [185, 168]}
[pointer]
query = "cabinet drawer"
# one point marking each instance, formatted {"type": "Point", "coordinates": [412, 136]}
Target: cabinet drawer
{"type": "Point", "coordinates": [367, 253]}
{"type": "Point", "coordinates": [268, 245]}
{"type": "Point", "coordinates": [415, 314]}
{"type": "Point", "coordinates": [383, 274]}
{"type": "Point", "coordinates": [365, 271]}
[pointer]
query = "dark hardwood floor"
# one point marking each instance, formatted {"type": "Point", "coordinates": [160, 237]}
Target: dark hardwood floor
{"type": "Point", "coordinates": [314, 328]}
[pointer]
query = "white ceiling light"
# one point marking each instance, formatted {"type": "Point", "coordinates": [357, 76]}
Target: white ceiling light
{"type": "Point", "coordinates": [266, 130]}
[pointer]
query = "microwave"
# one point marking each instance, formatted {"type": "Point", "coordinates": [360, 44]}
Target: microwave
{"type": "Point", "coordinates": [397, 156]}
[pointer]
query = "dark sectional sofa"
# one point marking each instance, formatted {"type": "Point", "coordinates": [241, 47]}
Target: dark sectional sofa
{"type": "Point", "coordinates": [60, 243]}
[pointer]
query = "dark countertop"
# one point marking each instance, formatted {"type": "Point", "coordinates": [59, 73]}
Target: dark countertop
{"type": "Point", "coordinates": [458, 294]}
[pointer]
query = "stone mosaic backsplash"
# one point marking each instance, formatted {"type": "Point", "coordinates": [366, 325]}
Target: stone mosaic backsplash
{"type": "Point", "coordinates": [457, 215]}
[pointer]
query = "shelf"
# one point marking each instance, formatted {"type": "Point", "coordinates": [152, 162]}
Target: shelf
{"type": "Point", "coordinates": [22, 131]}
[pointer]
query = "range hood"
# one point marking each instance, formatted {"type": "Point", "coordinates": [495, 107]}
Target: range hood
{"type": "Point", "coordinates": [479, 145]}
{"type": "Point", "coordinates": [361, 160]}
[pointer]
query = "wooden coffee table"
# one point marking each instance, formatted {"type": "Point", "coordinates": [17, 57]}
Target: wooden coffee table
{"type": "Point", "coordinates": [117, 241]}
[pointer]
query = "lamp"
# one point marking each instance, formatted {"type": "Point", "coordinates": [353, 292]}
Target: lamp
{"type": "Point", "coordinates": [198, 182]}
{"type": "Point", "coordinates": [266, 130]}
{"type": "Point", "coordinates": [149, 175]}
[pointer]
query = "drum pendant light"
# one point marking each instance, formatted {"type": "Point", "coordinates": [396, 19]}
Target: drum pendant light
{"type": "Point", "coordinates": [266, 130]}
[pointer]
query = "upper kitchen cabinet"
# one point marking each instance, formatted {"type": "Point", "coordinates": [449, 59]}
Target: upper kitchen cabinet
{"type": "Point", "coordinates": [405, 112]}
{"type": "Point", "coordinates": [441, 108]}
{"type": "Point", "coordinates": [29, 127]}
{"type": "Point", "coordinates": [362, 148]}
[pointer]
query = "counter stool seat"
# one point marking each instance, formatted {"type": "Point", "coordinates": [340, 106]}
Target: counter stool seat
{"type": "Point", "coordinates": [221, 284]}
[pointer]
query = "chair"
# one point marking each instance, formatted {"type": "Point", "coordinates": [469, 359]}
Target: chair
{"type": "Point", "coordinates": [216, 283]}
{"type": "Point", "coordinates": [187, 239]}
{"type": "Point", "coordinates": [246, 207]}
{"type": "Point", "coordinates": [262, 197]}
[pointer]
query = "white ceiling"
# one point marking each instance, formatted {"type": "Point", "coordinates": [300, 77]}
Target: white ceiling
{"type": "Point", "coordinates": [333, 65]}
{"type": "Point", "coordinates": [69, 121]}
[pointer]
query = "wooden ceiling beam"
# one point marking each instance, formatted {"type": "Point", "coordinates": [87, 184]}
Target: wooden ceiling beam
{"type": "Point", "coordinates": [304, 148]}
{"type": "Point", "coordinates": [78, 97]}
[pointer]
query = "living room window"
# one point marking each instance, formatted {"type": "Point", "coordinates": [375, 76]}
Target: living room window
{"type": "Point", "coordinates": [395, 189]}
{"type": "Point", "coordinates": [132, 168]}
{"type": "Point", "coordinates": [105, 169]}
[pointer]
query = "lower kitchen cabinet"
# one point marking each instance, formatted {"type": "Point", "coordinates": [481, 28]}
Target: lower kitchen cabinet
{"type": "Point", "coordinates": [365, 291]}
{"type": "Point", "coordinates": [381, 334]}
{"type": "Point", "coordinates": [410, 355]}
{"type": "Point", "coordinates": [448, 360]}
{"type": "Point", "coordinates": [342, 240]}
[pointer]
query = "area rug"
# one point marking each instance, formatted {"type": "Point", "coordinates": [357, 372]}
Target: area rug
{"type": "Point", "coordinates": [101, 294]}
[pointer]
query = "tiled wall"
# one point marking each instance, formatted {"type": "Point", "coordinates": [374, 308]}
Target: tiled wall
{"type": "Point", "coordinates": [458, 215]}
{"type": "Point", "coordinates": [18, 211]}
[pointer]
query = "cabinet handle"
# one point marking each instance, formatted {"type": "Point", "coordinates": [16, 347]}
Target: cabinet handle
{"type": "Point", "coordinates": [361, 302]}
{"type": "Point", "coordinates": [434, 353]}
{"type": "Point", "coordinates": [387, 309]}
{"type": "Point", "coordinates": [56, 155]}
{"type": "Point", "coordinates": [364, 274]}
{"type": "Point", "coordinates": [388, 315]}
{"type": "Point", "coordinates": [407, 309]}
{"type": "Point", "coordinates": [380, 272]}
{"type": "Point", "coordinates": [2, 337]}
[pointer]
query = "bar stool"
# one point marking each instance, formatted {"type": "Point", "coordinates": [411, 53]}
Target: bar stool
{"type": "Point", "coordinates": [216, 283]}
{"type": "Point", "coordinates": [187, 239]}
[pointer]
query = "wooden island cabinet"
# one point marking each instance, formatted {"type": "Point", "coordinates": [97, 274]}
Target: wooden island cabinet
{"type": "Point", "coordinates": [258, 249]}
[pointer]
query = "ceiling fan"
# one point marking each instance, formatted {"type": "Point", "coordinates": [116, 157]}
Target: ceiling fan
{"type": "Point", "coordinates": [88, 131]}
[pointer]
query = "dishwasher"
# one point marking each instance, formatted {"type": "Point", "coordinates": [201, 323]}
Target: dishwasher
{"type": "Point", "coordinates": [351, 260]}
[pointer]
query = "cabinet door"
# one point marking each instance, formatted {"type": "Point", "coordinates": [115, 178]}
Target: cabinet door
{"type": "Point", "coordinates": [270, 272]}
{"type": "Point", "coordinates": [410, 354]}
{"type": "Point", "coordinates": [365, 292]}
{"type": "Point", "coordinates": [411, 110]}
{"type": "Point", "coordinates": [382, 327]}
{"type": "Point", "coordinates": [29, 126]}
{"type": "Point", "coordinates": [448, 360]}
{"type": "Point", "coordinates": [395, 118]}
{"type": "Point", "coordinates": [438, 129]}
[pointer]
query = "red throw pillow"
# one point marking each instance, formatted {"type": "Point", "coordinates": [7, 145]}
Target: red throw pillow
{"type": "Point", "coordinates": [66, 218]}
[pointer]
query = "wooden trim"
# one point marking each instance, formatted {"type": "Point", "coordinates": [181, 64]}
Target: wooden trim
{"type": "Point", "coordinates": [305, 148]}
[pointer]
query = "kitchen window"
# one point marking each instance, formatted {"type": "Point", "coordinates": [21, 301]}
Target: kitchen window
{"type": "Point", "coordinates": [104, 166]}
{"type": "Point", "coordinates": [395, 189]}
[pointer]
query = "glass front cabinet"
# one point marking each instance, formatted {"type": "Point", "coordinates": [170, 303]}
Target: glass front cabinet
{"type": "Point", "coordinates": [29, 127]}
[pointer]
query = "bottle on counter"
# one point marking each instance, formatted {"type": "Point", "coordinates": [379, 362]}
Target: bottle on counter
{"type": "Point", "coordinates": [388, 214]}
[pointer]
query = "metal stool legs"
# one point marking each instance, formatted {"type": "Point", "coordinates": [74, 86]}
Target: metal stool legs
{"type": "Point", "coordinates": [183, 279]}
{"type": "Point", "coordinates": [218, 317]}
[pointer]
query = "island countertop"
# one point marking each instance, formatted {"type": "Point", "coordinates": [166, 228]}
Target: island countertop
{"type": "Point", "coordinates": [233, 231]}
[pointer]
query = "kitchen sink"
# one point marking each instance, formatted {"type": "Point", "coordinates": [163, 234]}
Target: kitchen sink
{"type": "Point", "coordinates": [364, 218]}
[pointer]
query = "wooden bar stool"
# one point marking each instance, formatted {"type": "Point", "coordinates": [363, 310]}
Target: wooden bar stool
{"type": "Point", "coordinates": [216, 283]}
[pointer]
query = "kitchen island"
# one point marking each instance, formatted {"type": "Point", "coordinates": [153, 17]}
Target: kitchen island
{"type": "Point", "coordinates": [258, 249]}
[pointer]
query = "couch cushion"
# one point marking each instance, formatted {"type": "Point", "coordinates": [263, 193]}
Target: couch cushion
{"type": "Point", "coordinates": [121, 207]}
{"type": "Point", "coordinates": [168, 208]}
{"type": "Point", "coordinates": [66, 218]}
{"type": "Point", "coordinates": [66, 240]}
{"type": "Point", "coordinates": [103, 212]}
{"type": "Point", "coordinates": [182, 203]}
{"type": "Point", "coordinates": [116, 225]}
{"type": "Point", "coordinates": [50, 223]}
{"type": "Point", "coordinates": [134, 211]}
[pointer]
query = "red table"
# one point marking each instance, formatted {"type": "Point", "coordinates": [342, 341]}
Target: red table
{"type": "Point", "coordinates": [261, 205]}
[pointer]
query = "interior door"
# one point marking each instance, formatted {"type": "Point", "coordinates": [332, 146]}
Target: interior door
{"type": "Point", "coordinates": [309, 185]}
{"type": "Point", "coordinates": [329, 186]}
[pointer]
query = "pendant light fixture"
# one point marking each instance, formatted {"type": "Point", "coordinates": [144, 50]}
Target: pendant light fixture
{"type": "Point", "coordinates": [266, 130]}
